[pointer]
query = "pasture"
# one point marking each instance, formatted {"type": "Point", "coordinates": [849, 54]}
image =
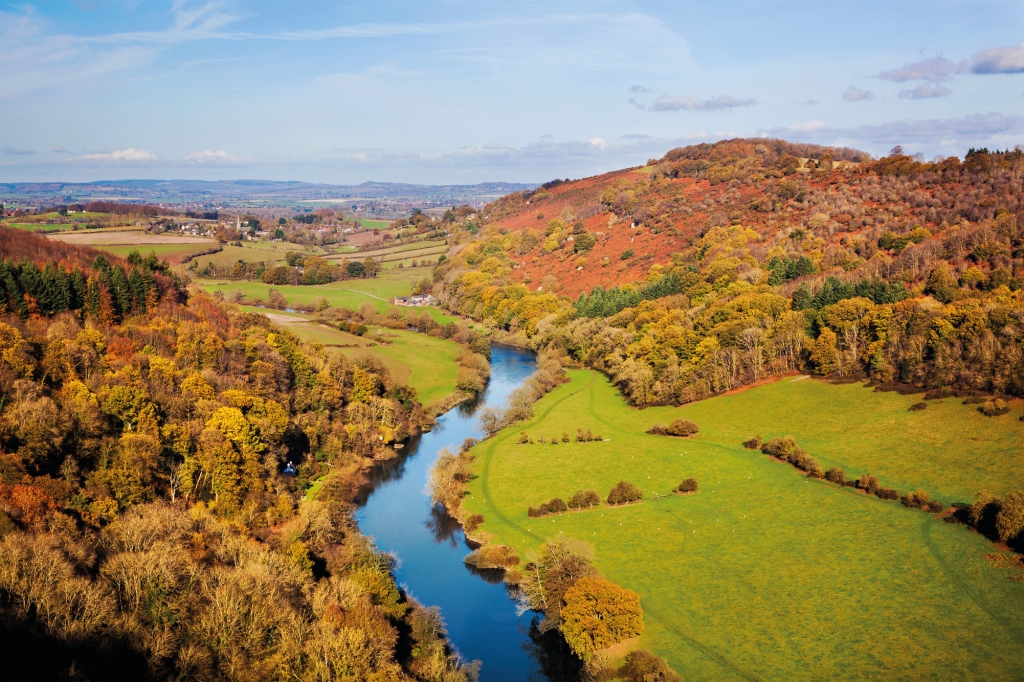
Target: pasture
{"type": "Point", "coordinates": [765, 574]}
{"type": "Point", "coordinates": [122, 242]}
{"type": "Point", "coordinates": [352, 293]}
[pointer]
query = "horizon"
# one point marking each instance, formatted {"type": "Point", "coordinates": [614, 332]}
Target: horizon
{"type": "Point", "coordinates": [459, 93]}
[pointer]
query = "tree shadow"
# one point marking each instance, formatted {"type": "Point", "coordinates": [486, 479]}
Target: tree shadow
{"type": "Point", "coordinates": [554, 661]}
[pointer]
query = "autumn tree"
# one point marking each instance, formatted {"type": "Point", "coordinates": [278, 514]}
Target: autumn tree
{"type": "Point", "coordinates": [597, 613]}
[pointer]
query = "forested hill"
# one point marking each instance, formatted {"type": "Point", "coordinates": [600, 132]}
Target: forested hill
{"type": "Point", "coordinates": [720, 263]}
{"type": "Point", "coordinates": [147, 527]}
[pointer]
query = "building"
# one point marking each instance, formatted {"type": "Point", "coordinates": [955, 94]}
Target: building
{"type": "Point", "coordinates": [416, 300]}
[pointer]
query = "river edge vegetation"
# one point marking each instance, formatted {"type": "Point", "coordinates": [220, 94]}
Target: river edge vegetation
{"type": "Point", "coordinates": [750, 259]}
{"type": "Point", "coordinates": [147, 527]}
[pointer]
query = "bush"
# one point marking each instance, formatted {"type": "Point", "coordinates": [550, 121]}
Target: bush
{"type": "Point", "coordinates": [523, 438]}
{"type": "Point", "coordinates": [688, 486]}
{"type": "Point", "coordinates": [888, 494]}
{"type": "Point", "coordinates": [533, 513]}
{"type": "Point", "coordinates": [836, 475]}
{"type": "Point", "coordinates": [623, 492]}
{"type": "Point", "coordinates": [779, 447]}
{"type": "Point", "coordinates": [916, 500]}
{"type": "Point", "coordinates": [597, 614]}
{"type": "Point", "coordinates": [554, 506]}
{"type": "Point", "coordinates": [994, 408]}
{"type": "Point", "coordinates": [678, 427]}
{"type": "Point", "coordinates": [584, 498]}
{"type": "Point", "coordinates": [492, 556]}
{"type": "Point", "coordinates": [814, 469]}
{"type": "Point", "coordinates": [473, 522]}
{"type": "Point", "coordinates": [849, 484]}
{"type": "Point", "coordinates": [935, 507]}
{"type": "Point", "coordinates": [753, 443]}
{"type": "Point", "coordinates": [976, 400]}
{"type": "Point", "coordinates": [917, 407]}
{"type": "Point", "coordinates": [868, 483]}
{"type": "Point", "coordinates": [643, 666]}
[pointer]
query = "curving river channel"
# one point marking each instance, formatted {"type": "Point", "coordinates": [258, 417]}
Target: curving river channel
{"type": "Point", "coordinates": [481, 617]}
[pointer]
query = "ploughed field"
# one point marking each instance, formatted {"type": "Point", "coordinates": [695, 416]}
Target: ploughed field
{"type": "Point", "coordinates": [765, 574]}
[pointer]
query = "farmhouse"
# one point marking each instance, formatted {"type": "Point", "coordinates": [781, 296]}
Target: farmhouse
{"type": "Point", "coordinates": [416, 300]}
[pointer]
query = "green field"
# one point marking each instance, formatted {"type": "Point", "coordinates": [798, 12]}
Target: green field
{"type": "Point", "coordinates": [351, 294]}
{"type": "Point", "coordinates": [173, 252]}
{"type": "Point", "coordinates": [424, 362]}
{"type": "Point", "coordinates": [374, 224]}
{"type": "Point", "coordinates": [765, 574]}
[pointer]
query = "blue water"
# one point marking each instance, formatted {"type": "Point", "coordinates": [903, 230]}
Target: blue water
{"type": "Point", "coordinates": [481, 617]}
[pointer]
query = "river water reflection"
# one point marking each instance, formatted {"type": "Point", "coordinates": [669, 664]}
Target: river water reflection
{"type": "Point", "coordinates": [481, 618]}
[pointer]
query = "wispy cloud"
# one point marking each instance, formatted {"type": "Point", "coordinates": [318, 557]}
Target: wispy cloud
{"type": "Point", "coordinates": [18, 151]}
{"type": "Point", "coordinates": [669, 103]}
{"type": "Point", "coordinates": [218, 158]}
{"type": "Point", "coordinates": [639, 89]}
{"type": "Point", "coordinates": [852, 94]}
{"type": "Point", "coordinates": [925, 91]}
{"type": "Point", "coordinates": [59, 149]}
{"type": "Point", "coordinates": [975, 128]}
{"type": "Point", "coordinates": [1009, 59]}
{"type": "Point", "coordinates": [935, 70]}
{"type": "Point", "coordinates": [123, 156]}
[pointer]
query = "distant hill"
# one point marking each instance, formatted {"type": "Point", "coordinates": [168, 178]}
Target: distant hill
{"type": "Point", "coordinates": [229, 191]}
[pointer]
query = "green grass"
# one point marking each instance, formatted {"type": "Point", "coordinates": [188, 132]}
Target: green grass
{"type": "Point", "coordinates": [172, 251]}
{"type": "Point", "coordinates": [765, 574]}
{"type": "Point", "coordinates": [351, 294]}
{"type": "Point", "coordinates": [374, 224]}
{"type": "Point", "coordinates": [428, 362]}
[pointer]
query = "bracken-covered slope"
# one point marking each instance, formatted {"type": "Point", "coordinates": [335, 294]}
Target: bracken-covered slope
{"type": "Point", "coordinates": [718, 262]}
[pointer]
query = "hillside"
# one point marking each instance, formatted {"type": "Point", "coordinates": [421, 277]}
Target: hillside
{"type": "Point", "coordinates": [720, 263]}
{"type": "Point", "coordinates": [155, 459]}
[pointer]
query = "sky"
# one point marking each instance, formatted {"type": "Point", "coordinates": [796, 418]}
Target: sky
{"type": "Point", "coordinates": [451, 91]}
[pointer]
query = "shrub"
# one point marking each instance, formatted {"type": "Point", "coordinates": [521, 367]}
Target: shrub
{"type": "Point", "coordinates": [814, 469]}
{"type": "Point", "coordinates": [917, 407]}
{"type": "Point", "coordinates": [849, 484]}
{"type": "Point", "coordinates": [627, 254]}
{"type": "Point", "coordinates": [584, 498]}
{"type": "Point", "coordinates": [888, 494]}
{"type": "Point", "coordinates": [533, 513]}
{"type": "Point", "coordinates": [836, 475]}
{"type": "Point", "coordinates": [916, 500]}
{"type": "Point", "coordinates": [523, 438]}
{"type": "Point", "coordinates": [678, 427]}
{"type": "Point", "coordinates": [473, 522]}
{"type": "Point", "coordinates": [554, 506]}
{"type": "Point", "coordinates": [868, 483]}
{"type": "Point", "coordinates": [779, 447]}
{"type": "Point", "coordinates": [994, 408]}
{"type": "Point", "coordinates": [492, 556]}
{"type": "Point", "coordinates": [688, 486]}
{"type": "Point", "coordinates": [976, 400]}
{"type": "Point", "coordinates": [753, 443]}
{"type": "Point", "coordinates": [643, 666]}
{"type": "Point", "coordinates": [623, 492]}
{"type": "Point", "coordinates": [565, 437]}
{"type": "Point", "coordinates": [935, 507]}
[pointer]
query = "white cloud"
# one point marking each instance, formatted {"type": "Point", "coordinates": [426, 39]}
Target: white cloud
{"type": "Point", "coordinates": [852, 94]}
{"type": "Point", "coordinates": [1009, 59]}
{"type": "Point", "coordinates": [697, 135]}
{"type": "Point", "coordinates": [925, 91]}
{"type": "Point", "coordinates": [936, 70]}
{"type": "Point", "coordinates": [218, 158]}
{"type": "Point", "coordinates": [668, 103]}
{"type": "Point", "coordinates": [124, 156]}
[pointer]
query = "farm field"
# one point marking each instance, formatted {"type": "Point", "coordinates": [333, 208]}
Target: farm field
{"type": "Point", "coordinates": [351, 293]}
{"type": "Point", "coordinates": [765, 574]}
{"type": "Point", "coordinates": [374, 224]}
{"type": "Point", "coordinates": [252, 253]}
{"type": "Point", "coordinates": [122, 242]}
{"type": "Point", "coordinates": [424, 362]}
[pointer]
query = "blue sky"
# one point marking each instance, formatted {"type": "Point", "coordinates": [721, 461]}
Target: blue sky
{"type": "Point", "coordinates": [466, 92]}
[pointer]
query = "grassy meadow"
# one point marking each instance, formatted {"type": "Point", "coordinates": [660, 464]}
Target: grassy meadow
{"type": "Point", "coordinates": [765, 574]}
{"type": "Point", "coordinates": [424, 362]}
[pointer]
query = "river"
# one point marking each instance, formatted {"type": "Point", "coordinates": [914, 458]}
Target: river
{"type": "Point", "coordinates": [480, 615]}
